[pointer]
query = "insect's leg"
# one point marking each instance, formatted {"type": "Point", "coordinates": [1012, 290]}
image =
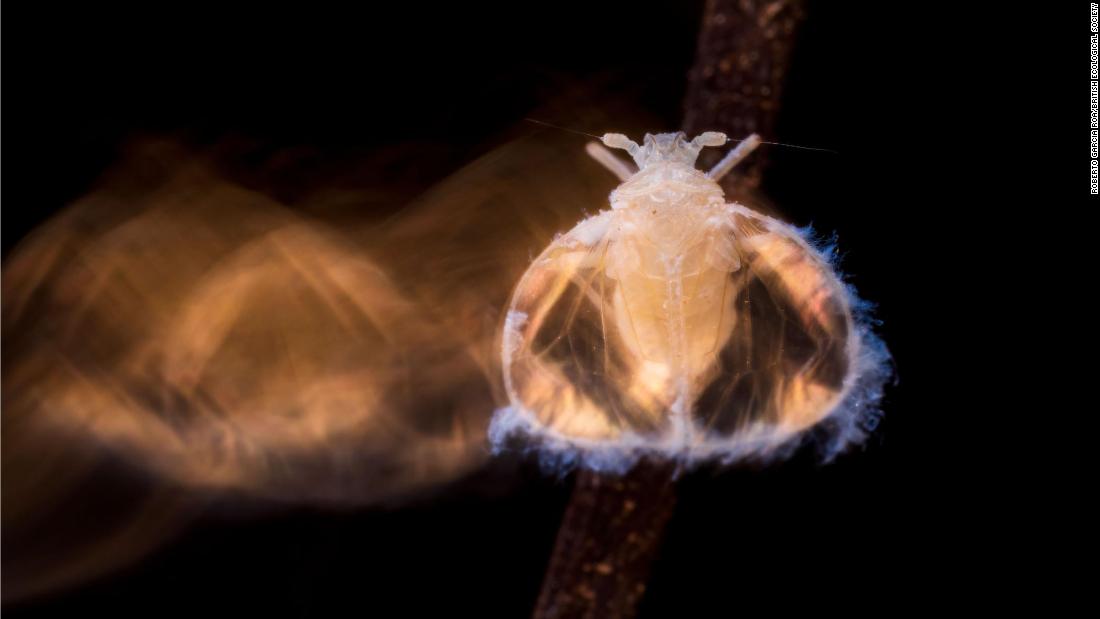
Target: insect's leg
{"type": "Point", "coordinates": [734, 157]}
{"type": "Point", "coordinates": [617, 166]}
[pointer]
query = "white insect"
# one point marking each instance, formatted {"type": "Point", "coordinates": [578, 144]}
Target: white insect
{"type": "Point", "coordinates": [679, 325]}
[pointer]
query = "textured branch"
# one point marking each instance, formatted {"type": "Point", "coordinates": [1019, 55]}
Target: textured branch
{"type": "Point", "coordinates": [608, 539]}
{"type": "Point", "coordinates": [737, 81]}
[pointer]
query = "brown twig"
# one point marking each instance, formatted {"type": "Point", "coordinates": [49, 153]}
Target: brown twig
{"type": "Point", "coordinates": [735, 86]}
{"type": "Point", "coordinates": [608, 538]}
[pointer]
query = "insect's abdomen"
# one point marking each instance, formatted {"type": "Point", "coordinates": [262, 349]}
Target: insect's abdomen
{"type": "Point", "coordinates": [671, 309]}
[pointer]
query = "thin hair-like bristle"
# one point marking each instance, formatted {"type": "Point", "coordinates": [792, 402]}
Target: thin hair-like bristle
{"type": "Point", "coordinates": [546, 124]}
{"type": "Point", "coordinates": [824, 150]}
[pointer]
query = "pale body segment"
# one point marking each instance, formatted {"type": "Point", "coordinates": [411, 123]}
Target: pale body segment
{"type": "Point", "coordinates": [679, 324]}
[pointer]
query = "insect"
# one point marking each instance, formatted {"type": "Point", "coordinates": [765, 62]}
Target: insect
{"type": "Point", "coordinates": [680, 325]}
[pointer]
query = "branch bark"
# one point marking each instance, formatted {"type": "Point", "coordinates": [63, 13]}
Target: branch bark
{"type": "Point", "coordinates": [607, 542]}
{"type": "Point", "coordinates": [737, 81]}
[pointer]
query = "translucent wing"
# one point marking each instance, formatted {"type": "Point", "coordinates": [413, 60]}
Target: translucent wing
{"type": "Point", "coordinates": [788, 348]}
{"type": "Point", "coordinates": [565, 362]}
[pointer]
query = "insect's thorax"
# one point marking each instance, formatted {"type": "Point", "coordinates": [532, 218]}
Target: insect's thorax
{"type": "Point", "coordinates": [668, 204]}
{"type": "Point", "coordinates": [665, 254]}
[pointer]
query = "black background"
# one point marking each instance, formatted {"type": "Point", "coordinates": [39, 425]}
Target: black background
{"type": "Point", "coordinates": [873, 82]}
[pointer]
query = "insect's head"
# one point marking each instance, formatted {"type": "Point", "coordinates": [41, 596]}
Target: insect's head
{"type": "Point", "coordinates": [664, 147]}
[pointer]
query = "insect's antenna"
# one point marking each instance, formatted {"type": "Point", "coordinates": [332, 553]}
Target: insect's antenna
{"type": "Point", "coordinates": [546, 124]}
